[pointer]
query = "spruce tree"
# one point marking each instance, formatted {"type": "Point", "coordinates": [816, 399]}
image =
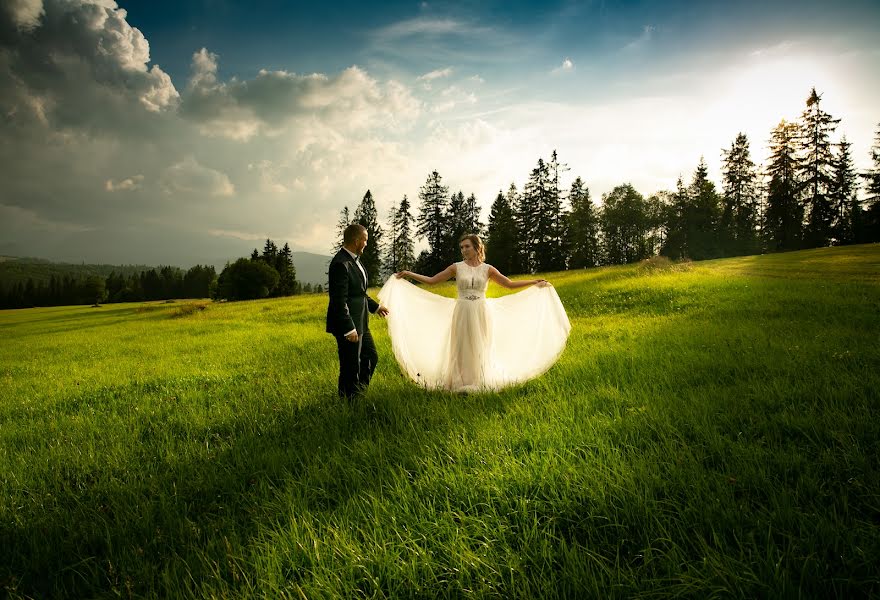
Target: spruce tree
{"type": "Point", "coordinates": [514, 199]}
{"type": "Point", "coordinates": [816, 171]}
{"type": "Point", "coordinates": [431, 222]}
{"type": "Point", "coordinates": [403, 237]}
{"type": "Point", "coordinates": [677, 243]}
{"type": "Point", "coordinates": [583, 228]}
{"type": "Point", "coordinates": [501, 241]}
{"type": "Point", "coordinates": [870, 229]}
{"type": "Point", "coordinates": [270, 253]}
{"type": "Point", "coordinates": [531, 219]}
{"type": "Point", "coordinates": [784, 215]}
{"type": "Point", "coordinates": [739, 215]}
{"type": "Point", "coordinates": [457, 224]}
{"type": "Point", "coordinates": [844, 195]}
{"type": "Point", "coordinates": [343, 222]}
{"type": "Point", "coordinates": [703, 215]}
{"type": "Point", "coordinates": [287, 283]}
{"type": "Point", "coordinates": [471, 219]}
{"type": "Point", "coordinates": [389, 251]}
{"type": "Point", "coordinates": [371, 259]}
{"type": "Point", "coordinates": [552, 250]}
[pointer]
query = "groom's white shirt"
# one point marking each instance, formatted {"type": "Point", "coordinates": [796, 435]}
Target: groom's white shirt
{"type": "Point", "coordinates": [364, 273]}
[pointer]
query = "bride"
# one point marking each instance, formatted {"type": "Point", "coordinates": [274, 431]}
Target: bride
{"type": "Point", "coordinates": [474, 343]}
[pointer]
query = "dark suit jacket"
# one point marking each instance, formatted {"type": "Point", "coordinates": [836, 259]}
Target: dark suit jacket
{"type": "Point", "coordinates": [349, 304]}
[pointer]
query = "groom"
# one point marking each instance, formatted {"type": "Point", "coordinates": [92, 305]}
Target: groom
{"type": "Point", "coordinates": [347, 317]}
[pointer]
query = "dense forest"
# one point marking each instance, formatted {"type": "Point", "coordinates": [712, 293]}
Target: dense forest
{"type": "Point", "coordinates": [807, 194]}
{"type": "Point", "coordinates": [26, 283]}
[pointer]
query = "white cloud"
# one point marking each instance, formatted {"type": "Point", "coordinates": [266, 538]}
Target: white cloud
{"type": "Point", "coordinates": [190, 177]}
{"type": "Point", "coordinates": [782, 48]}
{"type": "Point", "coordinates": [273, 101]}
{"type": "Point", "coordinates": [567, 65]}
{"type": "Point", "coordinates": [24, 14]}
{"type": "Point", "coordinates": [269, 174]}
{"type": "Point", "coordinates": [452, 97]}
{"type": "Point", "coordinates": [428, 78]}
{"type": "Point", "coordinates": [436, 74]}
{"type": "Point", "coordinates": [424, 26]}
{"type": "Point", "coordinates": [124, 185]}
{"type": "Point", "coordinates": [238, 235]}
{"type": "Point", "coordinates": [75, 56]}
{"type": "Point", "coordinates": [643, 40]}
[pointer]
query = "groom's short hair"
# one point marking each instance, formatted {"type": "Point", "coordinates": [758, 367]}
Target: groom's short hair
{"type": "Point", "coordinates": [353, 232]}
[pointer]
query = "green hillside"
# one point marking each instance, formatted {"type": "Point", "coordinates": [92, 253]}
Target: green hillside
{"type": "Point", "coordinates": [711, 430]}
{"type": "Point", "coordinates": [17, 270]}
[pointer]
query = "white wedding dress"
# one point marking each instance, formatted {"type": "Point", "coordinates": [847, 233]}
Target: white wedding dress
{"type": "Point", "coordinates": [474, 343]}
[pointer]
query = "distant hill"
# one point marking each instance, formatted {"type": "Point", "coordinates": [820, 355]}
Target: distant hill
{"type": "Point", "coordinates": [15, 269]}
{"type": "Point", "coordinates": [310, 268]}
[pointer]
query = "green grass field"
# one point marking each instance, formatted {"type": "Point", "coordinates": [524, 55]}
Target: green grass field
{"type": "Point", "coordinates": [711, 430]}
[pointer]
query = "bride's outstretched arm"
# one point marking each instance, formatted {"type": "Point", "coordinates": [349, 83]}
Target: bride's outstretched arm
{"type": "Point", "coordinates": [496, 276]}
{"type": "Point", "coordinates": [444, 275]}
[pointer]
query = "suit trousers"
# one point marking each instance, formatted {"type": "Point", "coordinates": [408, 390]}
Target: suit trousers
{"type": "Point", "coordinates": [357, 361]}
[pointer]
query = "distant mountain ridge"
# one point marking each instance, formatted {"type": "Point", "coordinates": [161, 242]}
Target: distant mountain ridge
{"type": "Point", "coordinates": [310, 268]}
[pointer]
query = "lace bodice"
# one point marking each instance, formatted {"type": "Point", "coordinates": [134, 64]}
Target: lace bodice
{"type": "Point", "coordinates": [471, 282]}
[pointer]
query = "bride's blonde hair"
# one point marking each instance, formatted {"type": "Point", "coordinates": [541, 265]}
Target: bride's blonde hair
{"type": "Point", "coordinates": [477, 244]}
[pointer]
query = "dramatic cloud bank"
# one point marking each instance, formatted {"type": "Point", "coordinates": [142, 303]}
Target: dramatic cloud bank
{"type": "Point", "coordinates": [106, 158]}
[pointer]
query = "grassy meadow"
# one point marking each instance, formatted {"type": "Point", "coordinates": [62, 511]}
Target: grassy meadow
{"type": "Point", "coordinates": [712, 430]}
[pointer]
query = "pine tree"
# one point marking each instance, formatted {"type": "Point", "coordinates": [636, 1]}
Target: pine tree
{"type": "Point", "coordinates": [816, 171]}
{"type": "Point", "coordinates": [677, 243]}
{"type": "Point", "coordinates": [343, 222]}
{"type": "Point", "coordinates": [389, 250]}
{"type": "Point", "coordinates": [501, 241]}
{"type": "Point", "coordinates": [270, 253]}
{"type": "Point", "coordinates": [456, 226]}
{"type": "Point", "coordinates": [471, 219]}
{"type": "Point", "coordinates": [552, 250]}
{"type": "Point", "coordinates": [432, 224]}
{"type": "Point", "coordinates": [844, 195]}
{"type": "Point", "coordinates": [531, 219]}
{"type": "Point", "coordinates": [287, 283]}
{"type": "Point", "coordinates": [702, 218]}
{"type": "Point", "coordinates": [403, 237]}
{"type": "Point", "coordinates": [371, 258]}
{"type": "Point", "coordinates": [739, 215]}
{"type": "Point", "coordinates": [583, 228]}
{"type": "Point", "coordinates": [784, 215]}
{"type": "Point", "coordinates": [514, 199]}
{"type": "Point", "coordinates": [870, 228]}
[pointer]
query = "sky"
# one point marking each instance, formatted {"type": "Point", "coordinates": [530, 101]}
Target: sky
{"type": "Point", "coordinates": [160, 132]}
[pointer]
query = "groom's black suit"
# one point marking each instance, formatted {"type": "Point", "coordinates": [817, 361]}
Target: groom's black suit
{"type": "Point", "coordinates": [349, 309]}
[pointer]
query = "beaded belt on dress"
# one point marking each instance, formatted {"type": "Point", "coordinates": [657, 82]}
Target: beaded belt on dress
{"type": "Point", "coordinates": [473, 296]}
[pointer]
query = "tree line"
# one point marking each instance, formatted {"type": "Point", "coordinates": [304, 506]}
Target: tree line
{"type": "Point", "coordinates": [267, 274]}
{"type": "Point", "coordinates": [161, 283]}
{"type": "Point", "coordinates": [807, 195]}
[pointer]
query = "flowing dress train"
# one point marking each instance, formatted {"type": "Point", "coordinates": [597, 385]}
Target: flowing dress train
{"type": "Point", "coordinates": [474, 343]}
